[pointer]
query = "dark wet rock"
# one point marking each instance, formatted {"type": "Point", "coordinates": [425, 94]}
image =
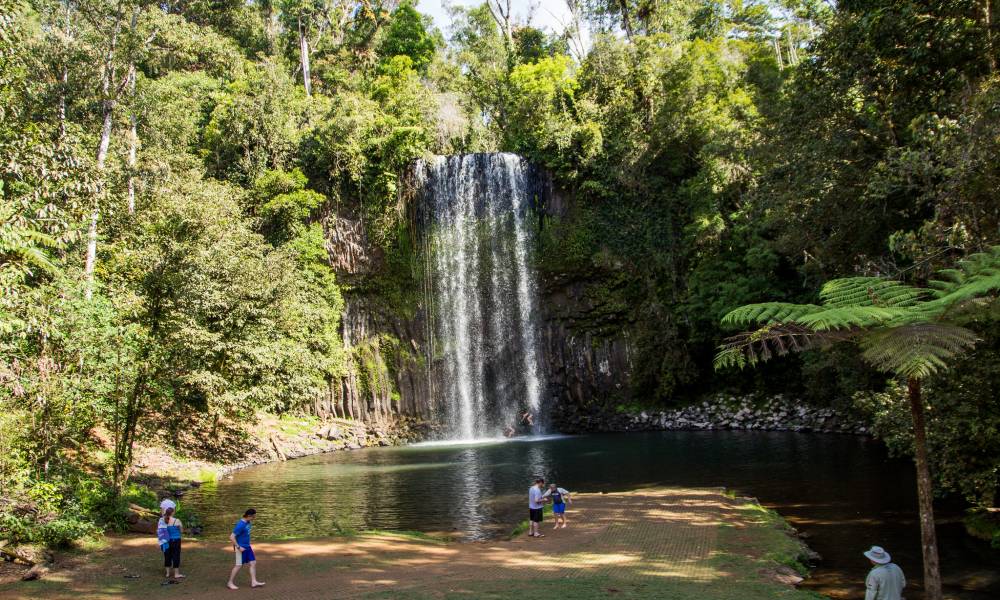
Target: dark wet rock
{"type": "Point", "coordinates": [771, 414]}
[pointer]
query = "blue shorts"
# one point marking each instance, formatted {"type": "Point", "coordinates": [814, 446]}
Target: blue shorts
{"type": "Point", "coordinates": [559, 508]}
{"type": "Point", "coordinates": [245, 557]}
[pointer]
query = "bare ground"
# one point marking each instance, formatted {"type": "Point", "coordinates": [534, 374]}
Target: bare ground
{"type": "Point", "coordinates": [660, 543]}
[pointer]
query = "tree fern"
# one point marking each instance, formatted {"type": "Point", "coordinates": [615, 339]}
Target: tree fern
{"type": "Point", "coordinates": [769, 312]}
{"type": "Point", "coordinates": [849, 317]}
{"type": "Point", "coordinates": [902, 329]}
{"type": "Point", "coordinates": [916, 351]}
{"type": "Point", "coordinates": [869, 291]}
{"type": "Point", "coordinates": [751, 347]}
{"type": "Point", "coordinates": [907, 331]}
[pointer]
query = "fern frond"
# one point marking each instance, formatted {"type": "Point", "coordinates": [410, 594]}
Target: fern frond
{"type": "Point", "coordinates": [752, 347]}
{"type": "Point", "coordinates": [38, 258]}
{"type": "Point", "coordinates": [848, 317]}
{"type": "Point", "coordinates": [956, 296]}
{"type": "Point", "coordinates": [869, 291]}
{"type": "Point", "coordinates": [916, 351]}
{"type": "Point", "coordinates": [981, 265]}
{"type": "Point", "coordinates": [986, 262]}
{"type": "Point", "coordinates": [767, 312]}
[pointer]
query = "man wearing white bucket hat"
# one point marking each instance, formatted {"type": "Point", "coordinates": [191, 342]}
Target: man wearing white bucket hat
{"type": "Point", "coordinates": [885, 581]}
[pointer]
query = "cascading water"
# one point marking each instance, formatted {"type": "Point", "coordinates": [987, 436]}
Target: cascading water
{"type": "Point", "coordinates": [484, 361]}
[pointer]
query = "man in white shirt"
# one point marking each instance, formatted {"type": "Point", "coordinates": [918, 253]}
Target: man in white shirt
{"type": "Point", "coordinates": [885, 581]}
{"type": "Point", "coordinates": [535, 503]}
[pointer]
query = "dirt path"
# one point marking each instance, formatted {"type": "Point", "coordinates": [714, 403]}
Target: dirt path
{"type": "Point", "coordinates": [638, 544]}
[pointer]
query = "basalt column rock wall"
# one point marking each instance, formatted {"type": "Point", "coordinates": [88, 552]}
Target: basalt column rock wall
{"type": "Point", "coordinates": [587, 343]}
{"type": "Point", "coordinates": [386, 379]}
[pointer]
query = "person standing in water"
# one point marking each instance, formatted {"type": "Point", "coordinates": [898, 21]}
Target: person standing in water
{"type": "Point", "coordinates": [244, 553]}
{"type": "Point", "coordinates": [168, 533]}
{"type": "Point", "coordinates": [885, 581]}
{"type": "Point", "coordinates": [559, 498]}
{"type": "Point", "coordinates": [536, 499]}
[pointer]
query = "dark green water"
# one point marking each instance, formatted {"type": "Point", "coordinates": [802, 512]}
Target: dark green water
{"type": "Point", "coordinates": [842, 491]}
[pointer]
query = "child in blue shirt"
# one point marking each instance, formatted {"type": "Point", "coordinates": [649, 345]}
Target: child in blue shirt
{"type": "Point", "coordinates": [559, 498]}
{"type": "Point", "coordinates": [244, 553]}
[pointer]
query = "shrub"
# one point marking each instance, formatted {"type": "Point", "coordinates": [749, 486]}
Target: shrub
{"type": "Point", "coordinates": [58, 532]}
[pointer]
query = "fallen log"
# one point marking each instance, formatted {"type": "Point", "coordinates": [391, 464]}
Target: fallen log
{"type": "Point", "coordinates": [27, 554]}
{"type": "Point", "coordinates": [140, 519]}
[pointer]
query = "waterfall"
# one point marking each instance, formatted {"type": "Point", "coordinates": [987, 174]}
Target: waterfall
{"type": "Point", "coordinates": [481, 291]}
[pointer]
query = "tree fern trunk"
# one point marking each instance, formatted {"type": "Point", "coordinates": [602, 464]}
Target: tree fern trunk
{"type": "Point", "coordinates": [928, 536]}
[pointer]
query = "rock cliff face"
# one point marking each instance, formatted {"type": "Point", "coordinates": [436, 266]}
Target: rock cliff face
{"type": "Point", "coordinates": [587, 344]}
{"type": "Point", "coordinates": [582, 367]}
{"type": "Point", "coordinates": [385, 378]}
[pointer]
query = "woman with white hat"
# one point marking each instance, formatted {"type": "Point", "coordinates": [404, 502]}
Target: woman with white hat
{"type": "Point", "coordinates": [885, 581]}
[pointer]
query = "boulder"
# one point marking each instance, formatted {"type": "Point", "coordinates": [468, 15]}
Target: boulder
{"type": "Point", "coordinates": [35, 572]}
{"type": "Point", "coordinates": [783, 575]}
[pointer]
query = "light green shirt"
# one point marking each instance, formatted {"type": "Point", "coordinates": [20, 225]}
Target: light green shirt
{"type": "Point", "coordinates": [885, 582]}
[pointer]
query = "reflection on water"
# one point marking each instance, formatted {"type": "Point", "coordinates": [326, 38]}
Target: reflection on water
{"type": "Point", "coordinates": [840, 490]}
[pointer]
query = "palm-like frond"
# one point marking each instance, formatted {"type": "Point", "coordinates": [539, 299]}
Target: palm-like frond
{"type": "Point", "coordinates": [976, 276]}
{"type": "Point", "coordinates": [901, 329]}
{"type": "Point", "coordinates": [767, 312]}
{"type": "Point", "coordinates": [869, 291]}
{"type": "Point", "coordinates": [760, 345]}
{"type": "Point", "coordinates": [915, 351]}
{"type": "Point", "coordinates": [847, 317]}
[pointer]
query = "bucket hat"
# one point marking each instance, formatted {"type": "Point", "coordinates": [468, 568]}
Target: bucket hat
{"type": "Point", "coordinates": [878, 554]}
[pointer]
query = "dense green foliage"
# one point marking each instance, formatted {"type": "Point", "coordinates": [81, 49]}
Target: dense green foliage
{"type": "Point", "coordinates": [172, 173]}
{"type": "Point", "coordinates": [180, 136]}
{"type": "Point", "coordinates": [720, 154]}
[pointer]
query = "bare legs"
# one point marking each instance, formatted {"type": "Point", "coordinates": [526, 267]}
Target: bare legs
{"type": "Point", "coordinates": [232, 576]}
{"type": "Point", "coordinates": [253, 576]}
{"type": "Point", "coordinates": [535, 529]}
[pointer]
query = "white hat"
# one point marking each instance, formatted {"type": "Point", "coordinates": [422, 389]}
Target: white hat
{"type": "Point", "coordinates": [167, 503]}
{"type": "Point", "coordinates": [879, 555]}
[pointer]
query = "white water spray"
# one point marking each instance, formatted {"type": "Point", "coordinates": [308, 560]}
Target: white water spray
{"type": "Point", "coordinates": [484, 357]}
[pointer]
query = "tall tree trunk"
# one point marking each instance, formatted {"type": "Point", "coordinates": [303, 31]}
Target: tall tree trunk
{"type": "Point", "coordinates": [64, 74]}
{"type": "Point", "coordinates": [271, 28]}
{"type": "Point", "coordinates": [502, 16]}
{"type": "Point", "coordinates": [793, 54]}
{"type": "Point", "coordinates": [988, 26]}
{"type": "Point", "coordinates": [304, 58]}
{"type": "Point", "coordinates": [63, 85]}
{"type": "Point", "coordinates": [133, 142]}
{"type": "Point", "coordinates": [626, 19]}
{"type": "Point", "coordinates": [928, 535]}
{"type": "Point", "coordinates": [107, 114]}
